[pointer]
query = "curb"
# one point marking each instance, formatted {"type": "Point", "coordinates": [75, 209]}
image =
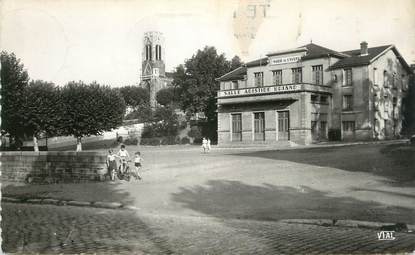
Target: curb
{"type": "Point", "coordinates": [347, 223]}
{"type": "Point", "coordinates": [48, 201]}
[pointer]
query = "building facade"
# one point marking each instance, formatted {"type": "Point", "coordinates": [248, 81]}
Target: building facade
{"type": "Point", "coordinates": [153, 75]}
{"type": "Point", "coordinates": [310, 93]}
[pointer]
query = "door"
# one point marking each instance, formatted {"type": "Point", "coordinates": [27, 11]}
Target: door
{"type": "Point", "coordinates": [283, 126]}
{"type": "Point", "coordinates": [259, 126]}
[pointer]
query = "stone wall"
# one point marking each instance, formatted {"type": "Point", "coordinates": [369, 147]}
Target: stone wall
{"type": "Point", "coordinates": [52, 167]}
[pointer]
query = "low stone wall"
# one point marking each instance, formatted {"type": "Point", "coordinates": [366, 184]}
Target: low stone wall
{"type": "Point", "coordinates": [53, 166]}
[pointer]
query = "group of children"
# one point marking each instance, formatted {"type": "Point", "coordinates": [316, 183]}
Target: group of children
{"type": "Point", "coordinates": [124, 158]}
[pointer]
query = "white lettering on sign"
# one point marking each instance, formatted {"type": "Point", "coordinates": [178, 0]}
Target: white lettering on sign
{"type": "Point", "coordinates": [286, 60]}
{"type": "Point", "coordinates": [258, 91]}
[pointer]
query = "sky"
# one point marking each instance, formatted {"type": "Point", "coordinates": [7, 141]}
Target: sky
{"type": "Point", "coordinates": [101, 40]}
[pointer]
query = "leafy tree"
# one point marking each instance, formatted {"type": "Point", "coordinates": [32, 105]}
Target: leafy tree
{"type": "Point", "coordinates": [409, 109]}
{"type": "Point", "coordinates": [90, 109]}
{"type": "Point", "coordinates": [166, 96]}
{"type": "Point", "coordinates": [143, 113]}
{"type": "Point", "coordinates": [135, 96]}
{"type": "Point", "coordinates": [164, 123]}
{"type": "Point", "coordinates": [236, 62]}
{"type": "Point", "coordinates": [14, 79]}
{"type": "Point", "coordinates": [40, 110]}
{"type": "Point", "coordinates": [197, 85]}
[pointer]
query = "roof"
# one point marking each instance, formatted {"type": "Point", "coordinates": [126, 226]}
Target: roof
{"type": "Point", "coordinates": [236, 74]}
{"type": "Point", "coordinates": [317, 51]}
{"type": "Point", "coordinates": [356, 60]}
{"type": "Point", "coordinates": [257, 62]}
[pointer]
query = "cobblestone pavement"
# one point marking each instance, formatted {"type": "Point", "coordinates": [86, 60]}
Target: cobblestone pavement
{"type": "Point", "coordinates": [42, 229]}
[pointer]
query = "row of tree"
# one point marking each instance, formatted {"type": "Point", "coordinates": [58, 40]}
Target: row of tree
{"type": "Point", "coordinates": [39, 108]}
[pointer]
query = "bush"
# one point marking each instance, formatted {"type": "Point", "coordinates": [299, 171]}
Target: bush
{"type": "Point", "coordinates": [131, 141]}
{"type": "Point", "coordinates": [185, 140]}
{"type": "Point", "coordinates": [168, 140]}
{"type": "Point", "coordinates": [197, 140]}
{"type": "Point", "coordinates": [335, 134]}
{"type": "Point", "coordinates": [150, 141]}
{"type": "Point", "coordinates": [195, 132]}
{"type": "Point", "coordinates": [119, 139]}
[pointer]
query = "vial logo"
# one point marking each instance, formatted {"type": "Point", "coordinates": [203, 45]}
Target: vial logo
{"type": "Point", "coordinates": [386, 235]}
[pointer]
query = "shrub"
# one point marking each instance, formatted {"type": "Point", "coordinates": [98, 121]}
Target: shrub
{"type": "Point", "coordinates": [195, 132]}
{"type": "Point", "coordinates": [150, 141]}
{"type": "Point", "coordinates": [335, 134]}
{"type": "Point", "coordinates": [197, 140]}
{"type": "Point", "coordinates": [131, 141]}
{"type": "Point", "coordinates": [185, 140]}
{"type": "Point", "coordinates": [168, 140]}
{"type": "Point", "coordinates": [120, 139]}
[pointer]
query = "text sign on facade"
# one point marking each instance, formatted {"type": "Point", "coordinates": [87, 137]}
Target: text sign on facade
{"type": "Point", "coordinates": [285, 60]}
{"type": "Point", "coordinates": [259, 91]}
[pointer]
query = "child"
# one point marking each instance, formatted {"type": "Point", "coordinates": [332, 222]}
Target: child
{"type": "Point", "coordinates": [204, 145]}
{"type": "Point", "coordinates": [137, 165]}
{"type": "Point", "coordinates": [124, 157]}
{"type": "Point", "coordinates": [208, 145]}
{"type": "Point", "coordinates": [111, 164]}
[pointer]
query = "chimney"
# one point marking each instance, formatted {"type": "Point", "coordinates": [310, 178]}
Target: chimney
{"type": "Point", "coordinates": [363, 49]}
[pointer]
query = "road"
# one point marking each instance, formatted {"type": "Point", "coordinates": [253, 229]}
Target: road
{"type": "Point", "coordinates": [229, 201]}
{"type": "Point", "coordinates": [66, 229]}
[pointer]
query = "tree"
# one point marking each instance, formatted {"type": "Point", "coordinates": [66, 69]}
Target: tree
{"type": "Point", "coordinates": [134, 96]}
{"type": "Point", "coordinates": [409, 109]}
{"type": "Point", "coordinates": [236, 62]}
{"type": "Point", "coordinates": [14, 79]}
{"type": "Point", "coordinates": [197, 85]}
{"type": "Point", "coordinates": [40, 112]}
{"type": "Point", "coordinates": [164, 123]}
{"type": "Point", "coordinates": [166, 96]}
{"type": "Point", "coordinates": [90, 110]}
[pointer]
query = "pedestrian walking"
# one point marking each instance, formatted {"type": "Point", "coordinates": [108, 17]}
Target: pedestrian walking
{"type": "Point", "coordinates": [208, 145]}
{"type": "Point", "coordinates": [204, 145]}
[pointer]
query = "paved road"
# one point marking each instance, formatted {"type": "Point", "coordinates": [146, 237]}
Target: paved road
{"type": "Point", "coordinates": [52, 229]}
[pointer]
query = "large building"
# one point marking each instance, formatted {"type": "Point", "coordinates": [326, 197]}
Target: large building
{"type": "Point", "coordinates": [153, 75]}
{"type": "Point", "coordinates": [309, 93]}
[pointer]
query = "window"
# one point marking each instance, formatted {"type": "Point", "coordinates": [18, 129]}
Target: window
{"type": "Point", "coordinates": [348, 126]}
{"type": "Point", "coordinates": [375, 76]}
{"type": "Point", "coordinates": [277, 75]}
{"type": "Point", "coordinates": [394, 83]}
{"type": "Point", "coordinates": [348, 77]}
{"type": "Point", "coordinates": [385, 79]}
{"type": "Point", "coordinates": [297, 75]}
{"type": "Point", "coordinates": [259, 79]}
{"type": "Point", "coordinates": [347, 102]}
{"type": "Point", "coordinates": [234, 84]}
{"type": "Point", "coordinates": [237, 127]}
{"type": "Point", "coordinates": [158, 52]}
{"type": "Point", "coordinates": [314, 99]}
{"type": "Point", "coordinates": [323, 100]}
{"type": "Point", "coordinates": [148, 52]}
{"type": "Point", "coordinates": [395, 101]}
{"type": "Point", "coordinates": [259, 126]}
{"type": "Point", "coordinates": [318, 74]}
{"type": "Point", "coordinates": [386, 104]}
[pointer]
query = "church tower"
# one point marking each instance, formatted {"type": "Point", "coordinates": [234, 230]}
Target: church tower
{"type": "Point", "coordinates": [153, 76]}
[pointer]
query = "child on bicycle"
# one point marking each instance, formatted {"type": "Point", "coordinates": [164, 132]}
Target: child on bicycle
{"type": "Point", "coordinates": [137, 165]}
{"type": "Point", "coordinates": [124, 157]}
